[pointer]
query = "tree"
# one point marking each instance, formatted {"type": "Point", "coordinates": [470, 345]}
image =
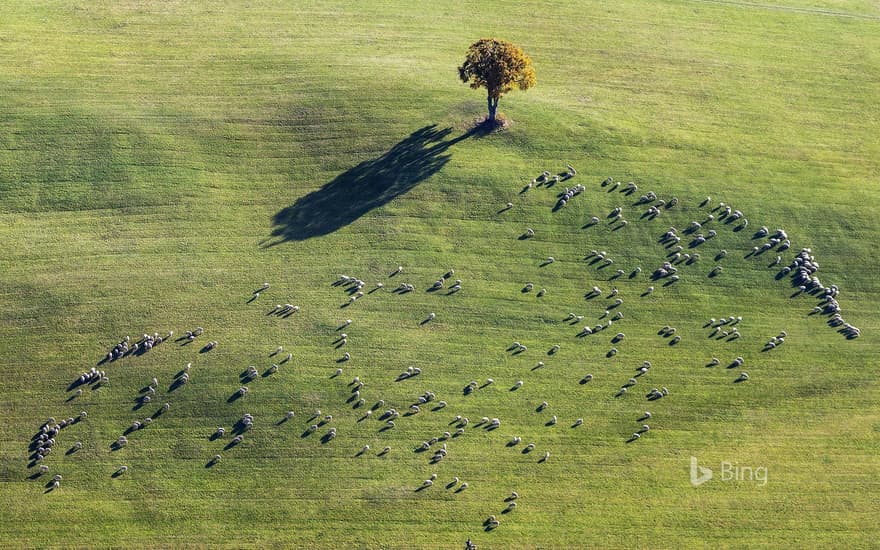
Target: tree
{"type": "Point", "coordinates": [498, 66]}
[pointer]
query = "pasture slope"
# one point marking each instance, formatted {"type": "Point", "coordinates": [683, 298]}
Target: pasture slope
{"type": "Point", "coordinates": [161, 160]}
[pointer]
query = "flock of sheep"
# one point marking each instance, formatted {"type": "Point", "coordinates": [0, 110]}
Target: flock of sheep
{"type": "Point", "coordinates": [682, 249]}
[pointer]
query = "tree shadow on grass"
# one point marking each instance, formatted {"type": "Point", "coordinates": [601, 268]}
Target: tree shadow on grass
{"type": "Point", "coordinates": [369, 185]}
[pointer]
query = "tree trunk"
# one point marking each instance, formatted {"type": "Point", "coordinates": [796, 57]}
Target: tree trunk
{"type": "Point", "coordinates": [493, 106]}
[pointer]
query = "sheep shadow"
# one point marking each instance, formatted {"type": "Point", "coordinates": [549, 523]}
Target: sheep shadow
{"type": "Point", "coordinates": [365, 187]}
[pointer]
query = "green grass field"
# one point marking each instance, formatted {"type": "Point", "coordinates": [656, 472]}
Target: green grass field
{"type": "Point", "coordinates": [161, 160]}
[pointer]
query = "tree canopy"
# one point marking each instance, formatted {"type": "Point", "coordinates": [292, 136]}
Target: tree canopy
{"type": "Point", "coordinates": [499, 66]}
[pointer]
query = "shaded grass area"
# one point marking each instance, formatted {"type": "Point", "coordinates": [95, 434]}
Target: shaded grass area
{"type": "Point", "coordinates": [148, 154]}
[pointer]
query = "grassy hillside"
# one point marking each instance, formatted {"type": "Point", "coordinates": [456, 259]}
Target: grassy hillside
{"type": "Point", "coordinates": [160, 161]}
